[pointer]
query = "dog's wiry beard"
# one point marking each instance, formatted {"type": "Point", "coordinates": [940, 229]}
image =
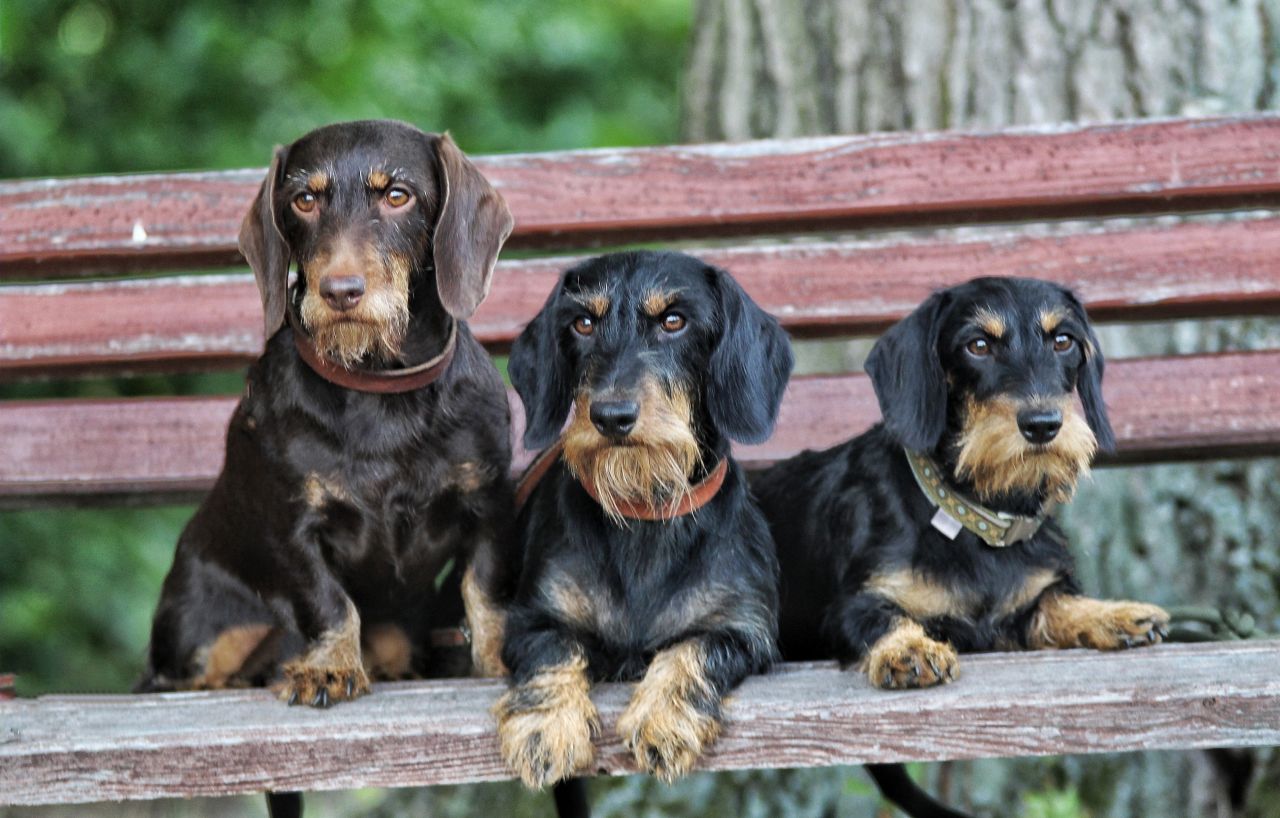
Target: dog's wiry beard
{"type": "Point", "coordinates": [997, 460]}
{"type": "Point", "coordinates": [651, 465]}
{"type": "Point", "coordinates": [375, 328]}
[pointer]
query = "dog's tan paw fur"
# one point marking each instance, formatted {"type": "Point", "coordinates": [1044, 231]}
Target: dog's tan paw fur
{"type": "Point", "coordinates": [1066, 621]}
{"type": "Point", "coordinates": [663, 725]}
{"type": "Point", "coordinates": [906, 657]}
{"type": "Point", "coordinates": [331, 671]}
{"type": "Point", "coordinates": [545, 725]}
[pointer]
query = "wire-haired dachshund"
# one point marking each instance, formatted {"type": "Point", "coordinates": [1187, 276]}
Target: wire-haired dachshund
{"type": "Point", "coordinates": [933, 532]}
{"type": "Point", "coordinates": [367, 463]}
{"type": "Point", "coordinates": [645, 557]}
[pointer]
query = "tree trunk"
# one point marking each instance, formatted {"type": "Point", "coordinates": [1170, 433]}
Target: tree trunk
{"type": "Point", "coordinates": [1175, 534]}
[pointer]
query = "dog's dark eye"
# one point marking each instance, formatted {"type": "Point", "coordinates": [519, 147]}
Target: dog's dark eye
{"type": "Point", "coordinates": [304, 202]}
{"type": "Point", "coordinates": [673, 322]}
{"type": "Point", "coordinates": [584, 325]}
{"type": "Point", "coordinates": [979, 347]}
{"type": "Point", "coordinates": [1063, 342]}
{"type": "Point", "coordinates": [397, 197]}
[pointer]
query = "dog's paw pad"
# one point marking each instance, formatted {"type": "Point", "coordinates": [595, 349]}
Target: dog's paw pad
{"type": "Point", "coordinates": [320, 686]}
{"type": "Point", "coordinates": [908, 660]}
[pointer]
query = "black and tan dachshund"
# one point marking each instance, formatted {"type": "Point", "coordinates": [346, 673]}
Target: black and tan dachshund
{"type": "Point", "coordinates": [645, 557]}
{"type": "Point", "coordinates": [367, 463]}
{"type": "Point", "coordinates": [932, 534]}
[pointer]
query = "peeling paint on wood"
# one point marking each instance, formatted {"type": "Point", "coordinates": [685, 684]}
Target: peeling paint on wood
{"type": "Point", "coordinates": [75, 749]}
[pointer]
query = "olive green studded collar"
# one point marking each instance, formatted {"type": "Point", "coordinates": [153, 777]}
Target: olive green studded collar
{"type": "Point", "coordinates": [955, 511]}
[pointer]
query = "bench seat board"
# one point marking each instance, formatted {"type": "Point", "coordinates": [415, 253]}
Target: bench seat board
{"type": "Point", "coordinates": [1124, 271]}
{"type": "Point", "coordinates": [1162, 409]}
{"type": "Point", "coordinates": [575, 198]}
{"type": "Point", "coordinates": [72, 749]}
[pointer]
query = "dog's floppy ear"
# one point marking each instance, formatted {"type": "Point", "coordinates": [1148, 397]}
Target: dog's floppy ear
{"type": "Point", "coordinates": [1089, 379]}
{"type": "Point", "coordinates": [540, 375]}
{"type": "Point", "coordinates": [907, 375]}
{"type": "Point", "coordinates": [750, 365]}
{"type": "Point", "coordinates": [265, 249]}
{"type": "Point", "coordinates": [473, 223]}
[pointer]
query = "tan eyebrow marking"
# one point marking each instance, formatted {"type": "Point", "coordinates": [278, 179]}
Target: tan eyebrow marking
{"type": "Point", "coordinates": [991, 323]}
{"type": "Point", "coordinates": [318, 182]}
{"type": "Point", "coordinates": [1051, 317]}
{"type": "Point", "coordinates": [596, 303]}
{"type": "Point", "coordinates": [379, 180]}
{"type": "Point", "coordinates": [656, 302]}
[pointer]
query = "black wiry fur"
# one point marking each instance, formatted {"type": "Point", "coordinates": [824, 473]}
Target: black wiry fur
{"type": "Point", "coordinates": [418, 479]}
{"type": "Point", "coordinates": [845, 516]}
{"type": "Point", "coordinates": [707, 577]}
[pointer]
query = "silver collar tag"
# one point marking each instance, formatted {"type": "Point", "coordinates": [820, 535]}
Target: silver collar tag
{"type": "Point", "coordinates": [948, 525]}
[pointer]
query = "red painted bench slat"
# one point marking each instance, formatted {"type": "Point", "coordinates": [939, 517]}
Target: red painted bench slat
{"type": "Point", "coordinates": [569, 199]}
{"type": "Point", "coordinates": [1124, 271]}
{"type": "Point", "coordinates": [174, 445]}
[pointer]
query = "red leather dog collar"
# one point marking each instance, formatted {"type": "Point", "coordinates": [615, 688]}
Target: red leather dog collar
{"type": "Point", "coordinates": [377, 381]}
{"type": "Point", "coordinates": [698, 497]}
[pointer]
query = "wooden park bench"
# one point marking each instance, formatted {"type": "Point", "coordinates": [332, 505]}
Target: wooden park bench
{"type": "Point", "coordinates": [1019, 196]}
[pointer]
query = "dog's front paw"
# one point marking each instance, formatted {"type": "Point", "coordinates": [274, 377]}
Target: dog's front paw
{"type": "Point", "coordinates": [666, 735]}
{"type": "Point", "coordinates": [1126, 625]}
{"type": "Point", "coordinates": [321, 685]}
{"type": "Point", "coordinates": [673, 715]}
{"type": "Point", "coordinates": [1067, 621]}
{"type": "Point", "coordinates": [545, 725]}
{"type": "Point", "coordinates": [906, 657]}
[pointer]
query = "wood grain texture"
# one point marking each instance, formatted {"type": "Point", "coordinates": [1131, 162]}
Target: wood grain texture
{"type": "Point", "coordinates": [176, 221]}
{"type": "Point", "coordinates": [1124, 271]}
{"type": "Point", "coordinates": [74, 749]}
{"type": "Point", "coordinates": [1164, 408]}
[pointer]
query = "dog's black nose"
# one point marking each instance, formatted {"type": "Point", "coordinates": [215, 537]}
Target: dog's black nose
{"type": "Point", "coordinates": [342, 292]}
{"type": "Point", "coordinates": [615, 418]}
{"type": "Point", "coordinates": [1039, 426]}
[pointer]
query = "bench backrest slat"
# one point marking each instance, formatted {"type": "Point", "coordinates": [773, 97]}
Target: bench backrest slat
{"type": "Point", "coordinates": [575, 198]}
{"type": "Point", "coordinates": [1127, 271]}
{"type": "Point", "coordinates": [173, 446]}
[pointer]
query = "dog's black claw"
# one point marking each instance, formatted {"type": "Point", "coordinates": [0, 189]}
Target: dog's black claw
{"type": "Point", "coordinates": [351, 687]}
{"type": "Point", "coordinates": [937, 672]}
{"type": "Point", "coordinates": [321, 699]}
{"type": "Point", "coordinates": [293, 698]}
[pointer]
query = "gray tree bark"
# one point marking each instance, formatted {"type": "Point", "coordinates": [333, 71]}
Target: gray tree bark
{"type": "Point", "coordinates": [1175, 534]}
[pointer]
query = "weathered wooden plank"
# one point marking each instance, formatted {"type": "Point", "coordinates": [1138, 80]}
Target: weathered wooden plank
{"type": "Point", "coordinates": [74, 749]}
{"type": "Point", "coordinates": [1134, 272]}
{"type": "Point", "coordinates": [174, 221]}
{"type": "Point", "coordinates": [168, 446]}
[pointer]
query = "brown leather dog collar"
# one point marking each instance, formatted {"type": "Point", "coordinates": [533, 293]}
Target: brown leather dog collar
{"type": "Point", "coordinates": [701, 494]}
{"type": "Point", "coordinates": [380, 382]}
